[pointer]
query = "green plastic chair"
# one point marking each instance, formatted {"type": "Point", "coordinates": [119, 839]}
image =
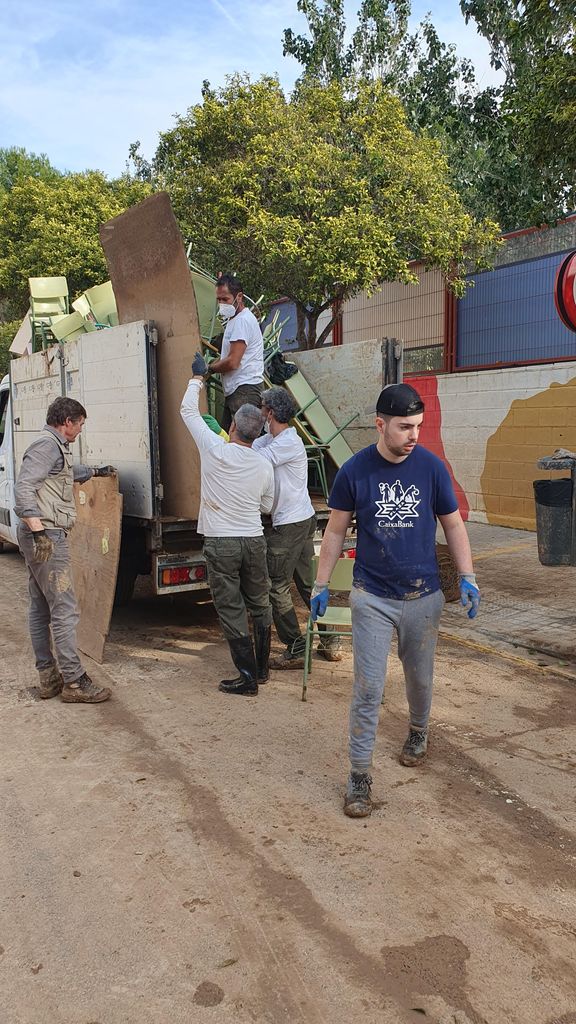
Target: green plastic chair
{"type": "Point", "coordinates": [103, 304]}
{"type": "Point", "coordinates": [205, 294]}
{"type": "Point", "coordinates": [48, 296]}
{"type": "Point", "coordinates": [339, 619]}
{"type": "Point", "coordinates": [69, 327]}
{"type": "Point", "coordinates": [48, 302]}
{"type": "Point", "coordinates": [319, 420]}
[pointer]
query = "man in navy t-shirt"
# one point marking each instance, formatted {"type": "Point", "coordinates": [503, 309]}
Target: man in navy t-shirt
{"type": "Point", "coordinates": [396, 492]}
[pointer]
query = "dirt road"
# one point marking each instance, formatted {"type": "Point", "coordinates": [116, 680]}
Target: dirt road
{"type": "Point", "coordinates": [177, 855]}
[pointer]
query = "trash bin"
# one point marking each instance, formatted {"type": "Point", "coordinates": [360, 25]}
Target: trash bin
{"type": "Point", "coordinates": [554, 520]}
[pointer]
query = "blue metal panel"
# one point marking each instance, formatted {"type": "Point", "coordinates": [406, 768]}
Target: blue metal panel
{"type": "Point", "coordinates": [509, 316]}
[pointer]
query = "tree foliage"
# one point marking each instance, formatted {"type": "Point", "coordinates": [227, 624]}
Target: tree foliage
{"type": "Point", "coordinates": [16, 164]}
{"type": "Point", "coordinates": [510, 149]}
{"type": "Point", "coordinates": [317, 197]}
{"type": "Point", "coordinates": [534, 43]}
{"type": "Point", "coordinates": [50, 227]}
{"type": "Point", "coordinates": [7, 334]}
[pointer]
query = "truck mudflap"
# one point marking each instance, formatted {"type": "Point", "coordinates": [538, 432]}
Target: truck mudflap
{"type": "Point", "coordinates": [174, 574]}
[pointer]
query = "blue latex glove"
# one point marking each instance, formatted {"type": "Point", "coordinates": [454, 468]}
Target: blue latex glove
{"type": "Point", "coordinates": [319, 602]}
{"type": "Point", "coordinates": [199, 366]}
{"type": "Point", "coordinates": [469, 594]}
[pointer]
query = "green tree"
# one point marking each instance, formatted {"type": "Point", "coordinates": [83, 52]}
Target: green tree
{"type": "Point", "coordinates": [533, 42]}
{"type": "Point", "coordinates": [315, 198]}
{"type": "Point", "coordinates": [51, 228]}
{"type": "Point", "coordinates": [17, 164]}
{"type": "Point", "coordinates": [7, 334]}
{"type": "Point", "coordinates": [511, 149]}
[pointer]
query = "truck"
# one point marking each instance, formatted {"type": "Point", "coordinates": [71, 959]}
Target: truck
{"type": "Point", "coordinates": [131, 379]}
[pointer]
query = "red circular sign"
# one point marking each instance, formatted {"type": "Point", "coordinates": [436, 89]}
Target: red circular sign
{"type": "Point", "coordinates": [565, 291]}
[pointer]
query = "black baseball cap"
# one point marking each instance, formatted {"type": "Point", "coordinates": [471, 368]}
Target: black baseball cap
{"type": "Point", "coordinates": [399, 400]}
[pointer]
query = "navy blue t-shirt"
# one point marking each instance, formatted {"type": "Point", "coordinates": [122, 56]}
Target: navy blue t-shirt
{"type": "Point", "coordinates": [396, 504]}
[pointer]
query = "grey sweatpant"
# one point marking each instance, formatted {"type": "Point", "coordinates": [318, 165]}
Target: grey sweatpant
{"type": "Point", "coordinates": [52, 603]}
{"type": "Point", "coordinates": [373, 621]}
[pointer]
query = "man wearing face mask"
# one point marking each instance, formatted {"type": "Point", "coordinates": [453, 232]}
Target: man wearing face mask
{"type": "Point", "coordinates": [241, 364]}
{"type": "Point", "coordinates": [290, 538]}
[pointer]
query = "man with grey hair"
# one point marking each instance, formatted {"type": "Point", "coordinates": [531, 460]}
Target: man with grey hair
{"type": "Point", "coordinates": [237, 485]}
{"type": "Point", "coordinates": [290, 538]}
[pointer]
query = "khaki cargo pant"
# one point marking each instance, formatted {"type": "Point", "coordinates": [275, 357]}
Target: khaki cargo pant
{"type": "Point", "coordinates": [246, 394]}
{"type": "Point", "coordinates": [52, 605]}
{"type": "Point", "coordinates": [239, 584]}
{"type": "Point", "coordinates": [290, 553]}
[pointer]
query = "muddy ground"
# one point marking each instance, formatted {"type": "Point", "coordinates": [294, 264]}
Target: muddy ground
{"type": "Point", "coordinates": [181, 856]}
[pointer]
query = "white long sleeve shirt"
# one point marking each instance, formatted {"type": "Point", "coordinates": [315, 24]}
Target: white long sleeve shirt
{"type": "Point", "coordinates": [237, 484]}
{"type": "Point", "coordinates": [287, 454]}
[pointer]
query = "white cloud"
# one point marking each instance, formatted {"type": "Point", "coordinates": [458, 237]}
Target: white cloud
{"type": "Point", "coordinates": [84, 82]}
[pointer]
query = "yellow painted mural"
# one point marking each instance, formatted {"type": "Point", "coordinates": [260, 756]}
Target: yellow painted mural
{"type": "Point", "coordinates": [533, 427]}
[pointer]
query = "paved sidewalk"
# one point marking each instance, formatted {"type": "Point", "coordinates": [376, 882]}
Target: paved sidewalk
{"type": "Point", "coordinates": [526, 607]}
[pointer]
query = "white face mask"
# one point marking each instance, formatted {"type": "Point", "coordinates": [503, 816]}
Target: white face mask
{"type": "Point", "coordinates": [226, 310]}
{"type": "Point", "coordinates": [267, 427]}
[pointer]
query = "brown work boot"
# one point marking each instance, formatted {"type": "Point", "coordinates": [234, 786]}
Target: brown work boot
{"type": "Point", "coordinates": [84, 691]}
{"type": "Point", "coordinates": [287, 661]}
{"type": "Point", "coordinates": [51, 682]}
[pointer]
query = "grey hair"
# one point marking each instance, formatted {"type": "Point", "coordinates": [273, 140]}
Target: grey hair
{"type": "Point", "coordinates": [249, 422]}
{"type": "Point", "coordinates": [279, 402]}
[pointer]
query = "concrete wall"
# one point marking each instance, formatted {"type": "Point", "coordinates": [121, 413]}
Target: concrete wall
{"type": "Point", "coordinates": [491, 426]}
{"type": "Point", "coordinates": [348, 380]}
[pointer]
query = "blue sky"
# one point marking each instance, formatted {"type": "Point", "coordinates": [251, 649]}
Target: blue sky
{"type": "Point", "coordinates": [80, 82]}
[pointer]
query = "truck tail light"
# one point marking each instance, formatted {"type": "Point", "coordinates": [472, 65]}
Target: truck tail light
{"type": "Point", "coordinates": [182, 574]}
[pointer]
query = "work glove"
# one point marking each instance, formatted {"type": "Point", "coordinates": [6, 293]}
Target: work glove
{"type": "Point", "coordinates": [43, 546]}
{"type": "Point", "coordinates": [104, 471]}
{"type": "Point", "coordinates": [215, 426]}
{"type": "Point", "coordinates": [319, 600]}
{"type": "Point", "coordinates": [469, 593]}
{"type": "Point", "coordinates": [199, 366]}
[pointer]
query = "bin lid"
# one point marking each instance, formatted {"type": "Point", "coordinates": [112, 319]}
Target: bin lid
{"type": "Point", "coordinates": [560, 459]}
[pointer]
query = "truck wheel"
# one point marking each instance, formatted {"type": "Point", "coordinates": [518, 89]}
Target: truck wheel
{"type": "Point", "coordinates": [124, 586]}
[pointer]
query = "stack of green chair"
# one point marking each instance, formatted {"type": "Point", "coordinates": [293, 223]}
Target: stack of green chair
{"type": "Point", "coordinates": [48, 303]}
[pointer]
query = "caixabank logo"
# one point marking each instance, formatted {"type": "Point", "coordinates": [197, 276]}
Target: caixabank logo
{"type": "Point", "coordinates": [397, 504]}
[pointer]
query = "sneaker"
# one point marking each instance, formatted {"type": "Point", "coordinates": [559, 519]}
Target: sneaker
{"type": "Point", "coordinates": [415, 748]}
{"type": "Point", "coordinates": [84, 691]}
{"type": "Point", "coordinates": [287, 661]}
{"type": "Point", "coordinates": [357, 801]}
{"type": "Point", "coordinates": [51, 682]}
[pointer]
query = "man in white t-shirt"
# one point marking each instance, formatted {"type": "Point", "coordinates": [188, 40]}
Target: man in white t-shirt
{"type": "Point", "coordinates": [241, 363]}
{"type": "Point", "coordinates": [237, 485]}
{"type": "Point", "coordinates": [290, 538]}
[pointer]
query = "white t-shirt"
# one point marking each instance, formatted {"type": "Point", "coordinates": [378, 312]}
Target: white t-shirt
{"type": "Point", "coordinates": [237, 484]}
{"type": "Point", "coordinates": [244, 327]}
{"type": "Point", "coordinates": [287, 454]}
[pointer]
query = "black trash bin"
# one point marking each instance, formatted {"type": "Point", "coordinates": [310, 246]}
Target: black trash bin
{"type": "Point", "coordinates": [554, 520]}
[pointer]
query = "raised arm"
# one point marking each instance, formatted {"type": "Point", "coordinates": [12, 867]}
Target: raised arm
{"type": "Point", "coordinates": [190, 413]}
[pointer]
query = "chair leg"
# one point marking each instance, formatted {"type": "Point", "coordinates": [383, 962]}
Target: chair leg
{"type": "Point", "coordinates": [307, 658]}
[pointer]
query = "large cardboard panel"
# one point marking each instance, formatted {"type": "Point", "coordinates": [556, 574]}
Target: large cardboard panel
{"type": "Point", "coordinates": [151, 280]}
{"type": "Point", "coordinates": [95, 550]}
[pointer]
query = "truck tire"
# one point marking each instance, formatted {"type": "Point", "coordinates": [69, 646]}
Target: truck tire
{"type": "Point", "coordinates": [125, 582]}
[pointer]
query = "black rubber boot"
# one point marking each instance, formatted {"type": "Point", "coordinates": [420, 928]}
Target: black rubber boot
{"type": "Point", "coordinates": [262, 638]}
{"type": "Point", "coordinates": [246, 683]}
